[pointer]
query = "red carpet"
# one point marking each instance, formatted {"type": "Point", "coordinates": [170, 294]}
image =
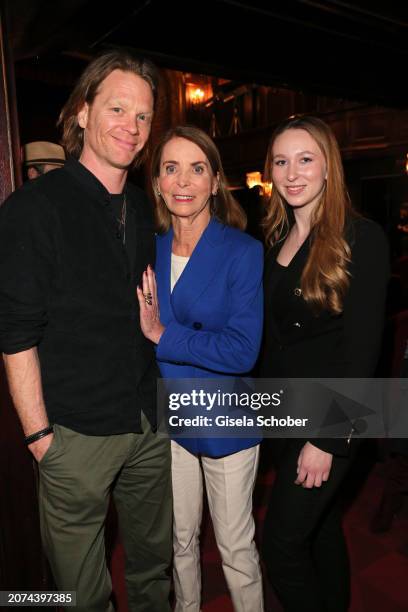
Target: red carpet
{"type": "Point", "coordinates": [379, 569]}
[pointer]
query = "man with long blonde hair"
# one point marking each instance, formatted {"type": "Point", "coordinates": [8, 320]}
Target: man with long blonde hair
{"type": "Point", "coordinates": [74, 244]}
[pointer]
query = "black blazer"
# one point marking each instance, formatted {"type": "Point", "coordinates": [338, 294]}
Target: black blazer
{"type": "Point", "coordinates": [303, 345]}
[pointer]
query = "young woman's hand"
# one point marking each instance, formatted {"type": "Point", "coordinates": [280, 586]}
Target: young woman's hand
{"type": "Point", "coordinates": [313, 467]}
{"type": "Point", "coordinates": [149, 307]}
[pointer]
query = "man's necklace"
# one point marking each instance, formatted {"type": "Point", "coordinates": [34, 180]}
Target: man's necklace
{"type": "Point", "coordinates": [122, 219]}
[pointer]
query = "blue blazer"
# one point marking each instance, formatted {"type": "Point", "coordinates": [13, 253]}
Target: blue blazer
{"type": "Point", "coordinates": [213, 317]}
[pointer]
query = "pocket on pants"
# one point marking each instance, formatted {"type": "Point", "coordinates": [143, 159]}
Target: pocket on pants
{"type": "Point", "coordinates": [53, 448]}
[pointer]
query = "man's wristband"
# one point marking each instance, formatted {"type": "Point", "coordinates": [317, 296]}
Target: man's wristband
{"type": "Point", "coordinates": [39, 434]}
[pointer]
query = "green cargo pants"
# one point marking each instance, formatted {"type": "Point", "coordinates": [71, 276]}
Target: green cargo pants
{"type": "Point", "coordinates": [77, 474]}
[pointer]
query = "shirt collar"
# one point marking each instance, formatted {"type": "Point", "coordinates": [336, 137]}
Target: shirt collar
{"type": "Point", "coordinates": [87, 179]}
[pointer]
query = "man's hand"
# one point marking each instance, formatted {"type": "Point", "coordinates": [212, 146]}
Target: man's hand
{"type": "Point", "coordinates": [40, 447]}
{"type": "Point", "coordinates": [24, 378]}
{"type": "Point", "coordinates": [314, 466]}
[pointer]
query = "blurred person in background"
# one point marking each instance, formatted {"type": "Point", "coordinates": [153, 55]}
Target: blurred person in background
{"type": "Point", "coordinates": [41, 157]}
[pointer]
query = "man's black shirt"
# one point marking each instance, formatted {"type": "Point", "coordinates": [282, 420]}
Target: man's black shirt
{"type": "Point", "coordinates": [68, 286]}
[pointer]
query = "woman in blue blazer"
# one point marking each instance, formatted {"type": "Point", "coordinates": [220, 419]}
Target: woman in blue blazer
{"type": "Point", "coordinates": [209, 288]}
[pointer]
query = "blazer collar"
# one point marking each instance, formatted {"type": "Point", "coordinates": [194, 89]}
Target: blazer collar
{"type": "Point", "coordinates": [289, 280]}
{"type": "Point", "coordinates": [214, 233]}
{"type": "Point", "coordinates": [201, 268]}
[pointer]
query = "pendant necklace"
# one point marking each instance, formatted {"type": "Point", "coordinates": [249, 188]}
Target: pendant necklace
{"type": "Point", "coordinates": [122, 220]}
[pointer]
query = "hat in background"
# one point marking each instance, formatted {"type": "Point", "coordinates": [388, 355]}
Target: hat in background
{"type": "Point", "coordinates": [43, 153]}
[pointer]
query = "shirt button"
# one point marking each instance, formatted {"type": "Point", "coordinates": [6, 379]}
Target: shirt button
{"type": "Point", "coordinates": [297, 291]}
{"type": "Point", "coordinates": [297, 324]}
{"type": "Point", "coordinates": [197, 325]}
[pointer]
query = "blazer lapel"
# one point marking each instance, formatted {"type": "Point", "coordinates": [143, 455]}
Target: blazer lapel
{"type": "Point", "coordinates": [269, 288]}
{"type": "Point", "coordinates": [199, 272]}
{"type": "Point", "coordinates": [289, 281]}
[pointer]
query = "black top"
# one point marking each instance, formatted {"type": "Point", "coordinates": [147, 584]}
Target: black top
{"type": "Point", "coordinates": [299, 344]}
{"type": "Point", "coordinates": [68, 286]}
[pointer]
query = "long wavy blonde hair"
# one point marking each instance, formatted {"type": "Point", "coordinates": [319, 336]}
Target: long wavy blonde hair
{"type": "Point", "coordinates": [325, 278]}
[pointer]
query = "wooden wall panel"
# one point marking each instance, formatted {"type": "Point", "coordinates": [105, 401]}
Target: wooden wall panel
{"type": "Point", "coordinates": [10, 171]}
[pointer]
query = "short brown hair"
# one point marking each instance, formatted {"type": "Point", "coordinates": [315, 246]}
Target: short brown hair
{"type": "Point", "coordinates": [223, 206]}
{"type": "Point", "coordinates": [87, 88]}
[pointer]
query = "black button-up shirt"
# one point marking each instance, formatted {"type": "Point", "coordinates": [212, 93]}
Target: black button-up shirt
{"type": "Point", "coordinates": [68, 286]}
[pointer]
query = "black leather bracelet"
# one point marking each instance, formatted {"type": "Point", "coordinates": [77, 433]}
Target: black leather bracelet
{"type": "Point", "coordinates": [39, 434]}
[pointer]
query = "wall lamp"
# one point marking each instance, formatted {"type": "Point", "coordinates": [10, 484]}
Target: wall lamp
{"type": "Point", "coordinates": [195, 95]}
{"type": "Point", "coordinates": [254, 179]}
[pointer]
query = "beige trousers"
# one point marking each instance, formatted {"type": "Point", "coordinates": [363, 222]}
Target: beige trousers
{"type": "Point", "coordinates": [229, 483]}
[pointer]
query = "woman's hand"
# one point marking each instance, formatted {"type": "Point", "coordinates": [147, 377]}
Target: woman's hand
{"type": "Point", "coordinates": [149, 307]}
{"type": "Point", "coordinates": [313, 467]}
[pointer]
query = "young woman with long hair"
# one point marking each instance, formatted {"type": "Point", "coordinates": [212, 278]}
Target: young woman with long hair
{"type": "Point", "coordinates": [325, 283]}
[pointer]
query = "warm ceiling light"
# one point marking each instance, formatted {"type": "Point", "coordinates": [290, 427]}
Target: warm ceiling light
{"type": "Point", "coordinates": [195, 94]}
